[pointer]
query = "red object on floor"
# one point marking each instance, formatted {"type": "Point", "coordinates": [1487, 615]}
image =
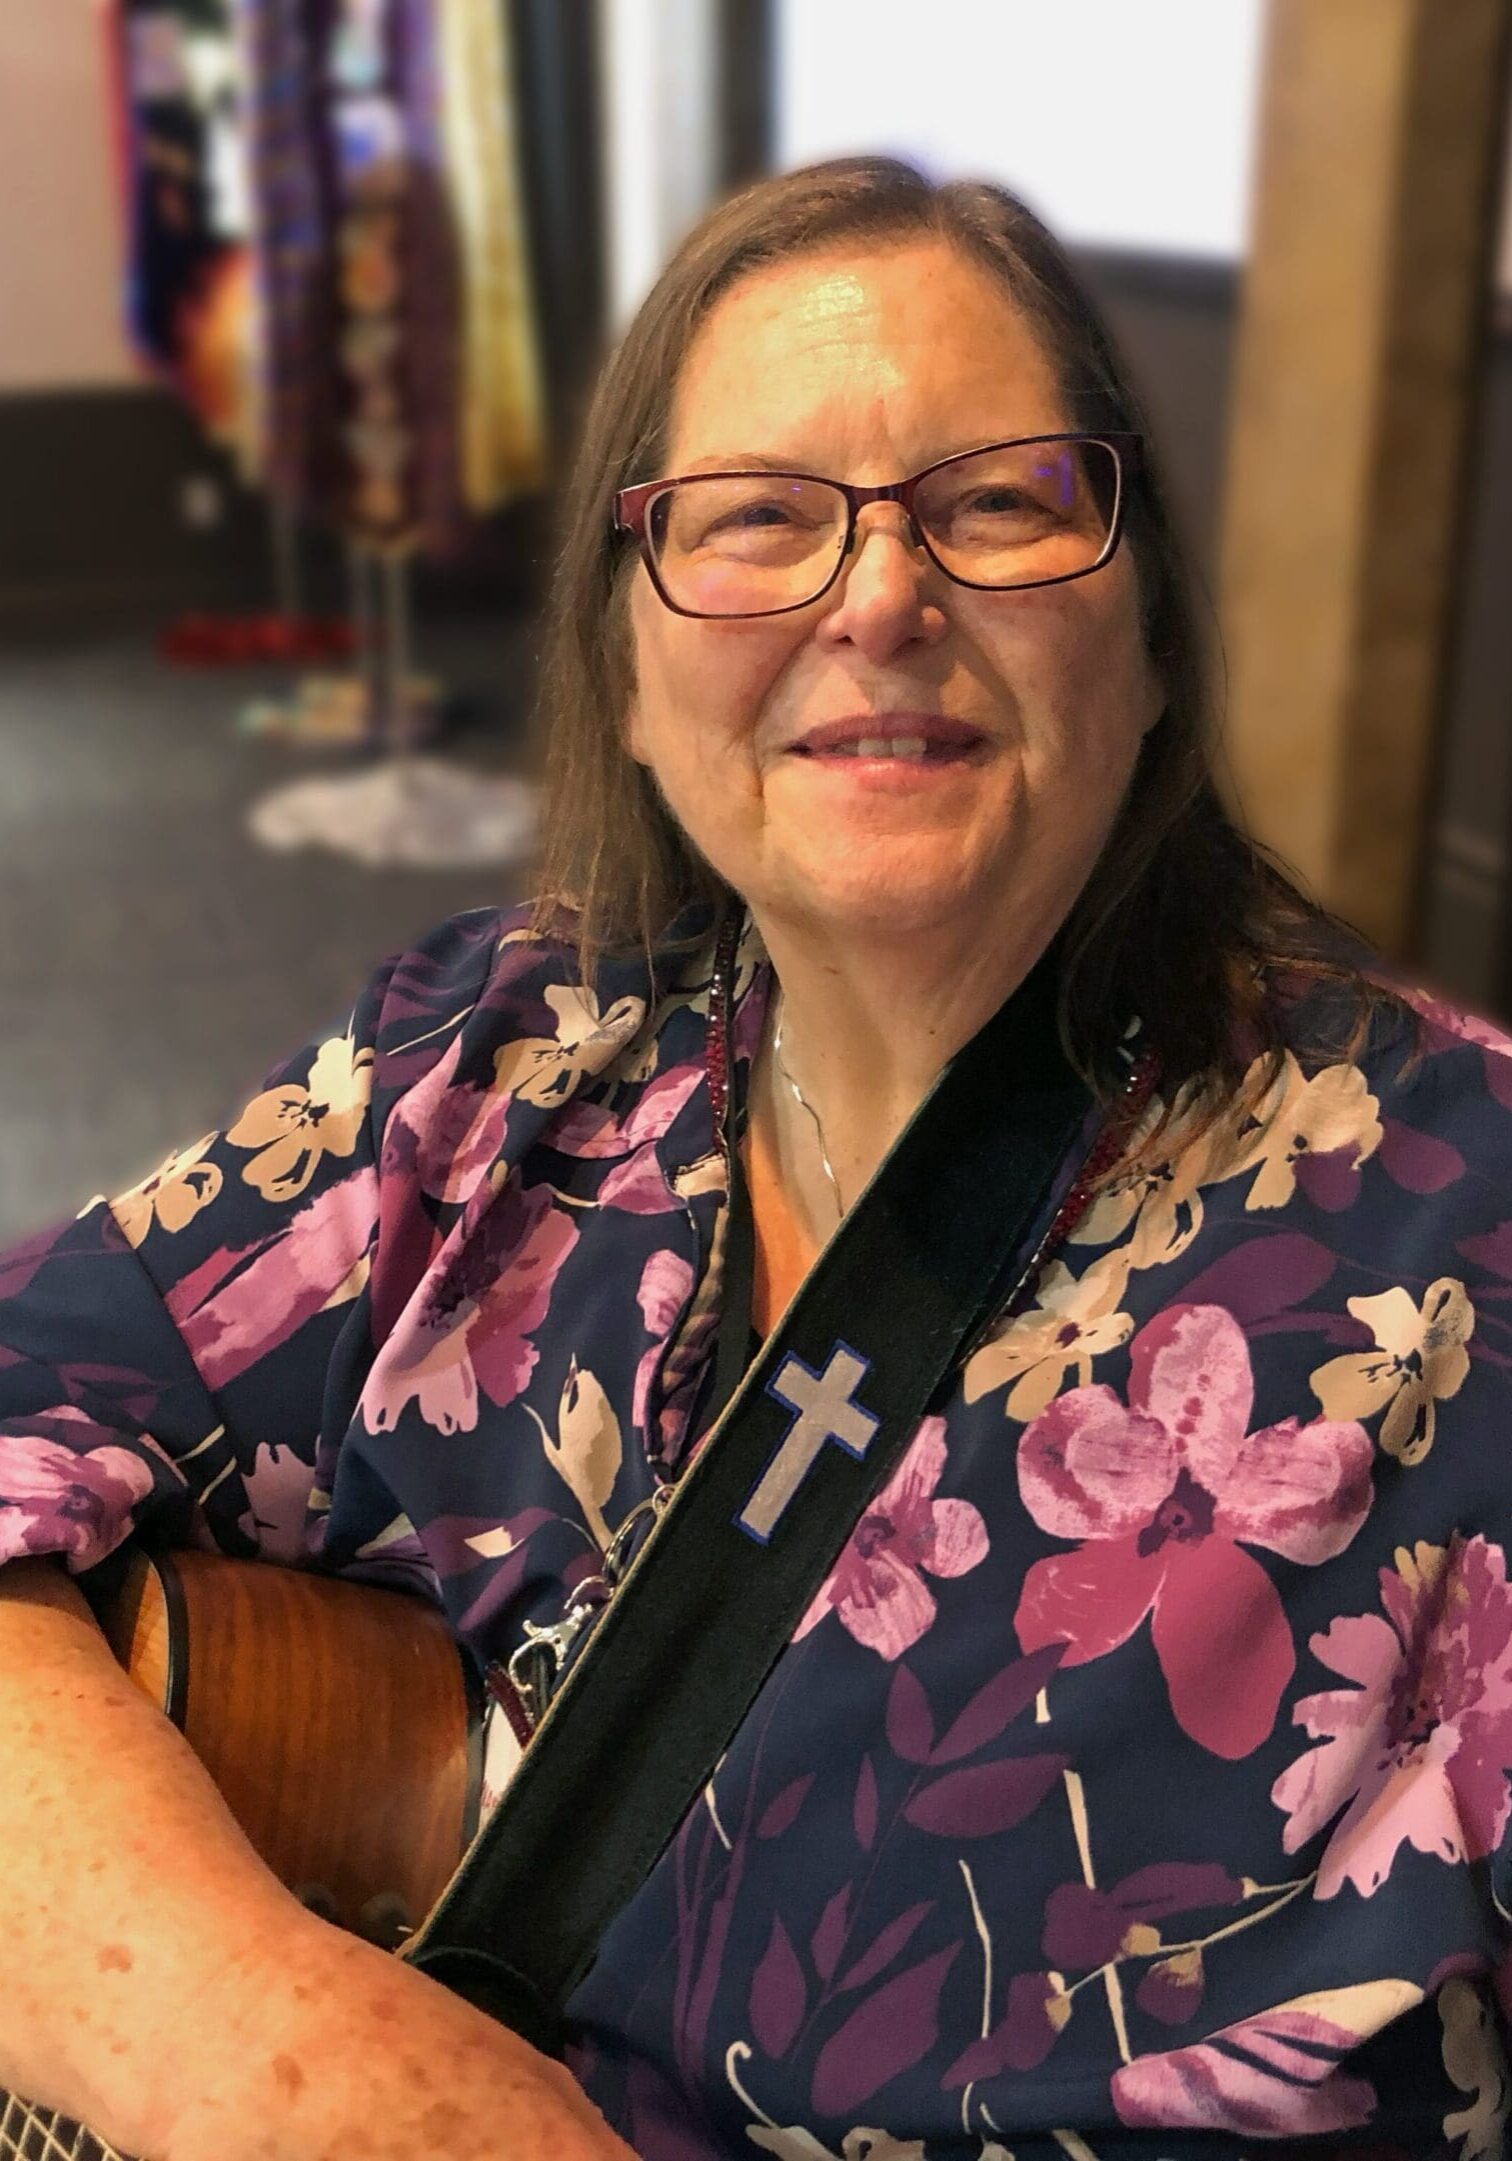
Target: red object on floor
{"type": "Point", "coordinates": [241, 641]}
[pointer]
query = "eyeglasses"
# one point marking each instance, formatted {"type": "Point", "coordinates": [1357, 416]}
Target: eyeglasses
{"type": "Point", "coordinates": [1038, 510]}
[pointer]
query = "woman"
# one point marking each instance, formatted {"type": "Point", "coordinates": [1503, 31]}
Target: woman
{"type": "Point", "coordinates": [1137, 1780]}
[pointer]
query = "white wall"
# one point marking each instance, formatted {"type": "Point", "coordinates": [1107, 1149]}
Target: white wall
{"type": "Point", "coordinates": [1125, 123]}
{"type": "Point", "coordinates": [60, 224]}
{"type": "Point", "coordinates": [660, 153]}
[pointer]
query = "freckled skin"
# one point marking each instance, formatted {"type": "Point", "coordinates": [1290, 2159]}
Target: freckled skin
{"type": "Point", "coordinates": [288, 2074]}
{"type": "Point", "coordinates": [114, 1958]}
{"type": "Point", "coordinates": [441, 2121]}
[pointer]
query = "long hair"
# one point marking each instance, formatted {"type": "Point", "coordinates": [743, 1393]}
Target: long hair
{"type": "Point", "coordinates": [1183, 920]}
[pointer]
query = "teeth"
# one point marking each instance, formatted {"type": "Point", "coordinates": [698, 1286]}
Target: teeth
{"type": "Point", "coordinates": [882, 746]}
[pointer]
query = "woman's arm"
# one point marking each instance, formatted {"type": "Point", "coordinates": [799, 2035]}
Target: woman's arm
{"type": "Point", "coordinates": [155, 1357]}
{"type": "Point", "coordinates": [160, 1984]}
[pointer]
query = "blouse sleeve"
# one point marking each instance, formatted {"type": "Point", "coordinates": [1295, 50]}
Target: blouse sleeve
{"type": "Point", "coordinates": [166, 1357]}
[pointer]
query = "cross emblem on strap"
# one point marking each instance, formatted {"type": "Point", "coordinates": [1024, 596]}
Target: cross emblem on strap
{"type": "Point", "coordinates": [824, 1410]}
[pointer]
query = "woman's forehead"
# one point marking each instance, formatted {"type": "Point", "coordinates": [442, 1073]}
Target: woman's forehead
{"type": "Point", "coordinates": [910, 349]}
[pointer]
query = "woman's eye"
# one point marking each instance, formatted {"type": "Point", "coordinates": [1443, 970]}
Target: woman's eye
{"type": "Point", "coordinates": [747, 515]}
{"type": "Point", "coordinates": [999, 502]}
{"type": "Point", "coordinates": [767, 528]}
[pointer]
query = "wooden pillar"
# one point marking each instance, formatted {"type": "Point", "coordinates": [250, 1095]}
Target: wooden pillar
{"type": "Point", "coordinates": [1364, 306]}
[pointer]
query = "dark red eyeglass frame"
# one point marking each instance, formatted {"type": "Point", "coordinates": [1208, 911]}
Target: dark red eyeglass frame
{"type": "Point", "coordinates": [632, 506]}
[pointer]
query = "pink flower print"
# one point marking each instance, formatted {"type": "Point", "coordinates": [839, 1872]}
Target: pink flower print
{"type": "Point", "coordinates": [1281, 2074]}
{"type": "Point", "coordinates": [454, 1133]}
{"type": "Point", "coordinates": [876, 1586]}
{"type": "Point", "coordinates": [1164, 1495]}
{"type": "Point", "coordinates": [1419, 1749]}
{"type": "Point", "coordinates": [278, 1503]}
{"type": "Point", "coordinates": [638, 1186]}
{"type": "Point", "coordinates": [587, 1129]}
{"type": "Point", "coordinates": [1454, 1021]}
{"type": "Point", "coordinates": [240, 1304]}
{"type": "Point", "coordinates": [516, 1299]}
{"type": "Point", "coordinates": [63, 1500]}
{"type": "Point", "coordinates": [1495, 1045]}
{"type": "Point", "coordinates": [434, 1371]}
{"type": "Point", "coordinates": [666, 1285]}
{"type": "Point", "coordinates": [471, 1323]}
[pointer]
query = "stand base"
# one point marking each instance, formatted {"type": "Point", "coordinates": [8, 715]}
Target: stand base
{"type": "Point", "coordinates": [339, 709]}
{"type": "Point", "coordinates": [411, 814]}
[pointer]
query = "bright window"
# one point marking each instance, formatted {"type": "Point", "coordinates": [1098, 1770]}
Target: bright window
{"type": "Point", "coordinates": [1125, 123]}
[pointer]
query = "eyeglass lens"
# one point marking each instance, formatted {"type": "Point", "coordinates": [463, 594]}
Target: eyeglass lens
{"type": "Point", "coordinates": [1023, 514]}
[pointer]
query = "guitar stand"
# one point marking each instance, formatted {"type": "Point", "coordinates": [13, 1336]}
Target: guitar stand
{"type": "Point", "coordinates": [406, 811]}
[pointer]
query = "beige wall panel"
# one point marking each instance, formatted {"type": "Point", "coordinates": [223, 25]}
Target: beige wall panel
{"type": "Point", "coordinates": [1374, 237]}
{"type": "Point", "coordinates": [60, 224]}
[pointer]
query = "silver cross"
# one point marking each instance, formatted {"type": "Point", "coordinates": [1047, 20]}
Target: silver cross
{"type": "Point", "coordinates": [825, 1412]}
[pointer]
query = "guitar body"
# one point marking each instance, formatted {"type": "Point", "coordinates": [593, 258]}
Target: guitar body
{"type": "Point", "coordinates": [340, 1724]}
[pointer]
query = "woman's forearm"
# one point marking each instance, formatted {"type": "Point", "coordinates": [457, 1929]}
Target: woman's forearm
{"type": "Point", "coordinates": [157, 1980]}
{"type": "Point", "coordinates": [129, 1887]}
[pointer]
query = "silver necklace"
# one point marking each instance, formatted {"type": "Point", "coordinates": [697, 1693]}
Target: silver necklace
{"type": "Point", "coordinates": [803, 1102]}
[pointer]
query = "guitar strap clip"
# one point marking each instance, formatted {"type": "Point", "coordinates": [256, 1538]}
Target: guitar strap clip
{"type": "Point", "coordinates": [537, 1665]}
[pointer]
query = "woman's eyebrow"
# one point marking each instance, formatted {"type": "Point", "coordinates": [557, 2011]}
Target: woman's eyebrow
{"type": "Point", "coordinates": [763, 461]}
{"type": "Point", "coordinates": [736, 461]}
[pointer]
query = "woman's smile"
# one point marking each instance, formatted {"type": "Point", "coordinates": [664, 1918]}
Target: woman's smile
{"type": "Point", "coordinates": [891, 753]}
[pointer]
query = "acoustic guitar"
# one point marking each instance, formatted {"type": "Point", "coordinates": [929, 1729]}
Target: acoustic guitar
{"type": "Point", "coordinates": [340, 1723]}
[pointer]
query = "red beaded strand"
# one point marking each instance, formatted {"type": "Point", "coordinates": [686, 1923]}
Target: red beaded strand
{"type": "Point", "coordinates": [717, 1035]}
{"type": "Point", "coordinates": [1109, 1146]}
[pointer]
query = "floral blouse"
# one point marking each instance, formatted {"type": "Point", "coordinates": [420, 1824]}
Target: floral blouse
{"type": "Point", "coordinates": [1137, 1784]}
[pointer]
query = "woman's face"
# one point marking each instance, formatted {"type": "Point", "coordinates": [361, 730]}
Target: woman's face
{"type": "Point", "coordinates": [865, 368]}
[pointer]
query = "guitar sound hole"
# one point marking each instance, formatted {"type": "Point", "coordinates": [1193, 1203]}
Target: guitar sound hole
{"type": "Point", "coordinates": [316, 1899]}
{"type": "Point", "coordinates": [385, 1921]}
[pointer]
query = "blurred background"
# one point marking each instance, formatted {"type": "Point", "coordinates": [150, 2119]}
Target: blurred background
{"type": "Point", "coordinates": [298, 303]}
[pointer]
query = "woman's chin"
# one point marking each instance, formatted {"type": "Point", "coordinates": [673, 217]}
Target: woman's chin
{"type": "Point", "coordinates": [891, 899]}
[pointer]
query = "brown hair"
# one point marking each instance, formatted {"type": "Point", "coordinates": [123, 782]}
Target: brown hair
{"type": "Point", "coordinates": [1182, 915]}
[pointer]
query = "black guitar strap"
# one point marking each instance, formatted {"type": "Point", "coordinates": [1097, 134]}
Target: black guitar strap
{"type": "Point", "coordinates": [932, 1250]}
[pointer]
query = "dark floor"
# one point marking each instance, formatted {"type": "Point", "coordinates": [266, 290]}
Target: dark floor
{"type": "Point", "coordinates": [154, 960]}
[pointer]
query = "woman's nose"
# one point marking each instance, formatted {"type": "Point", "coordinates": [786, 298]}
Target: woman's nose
{"type": "Point", "coordinates": [886, 596]}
